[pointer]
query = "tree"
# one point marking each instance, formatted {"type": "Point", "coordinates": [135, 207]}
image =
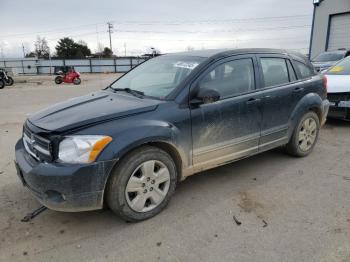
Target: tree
{"type": "Point", "coordinates": [104, 52]}
{"type": "Point", "coordinates": [42, 50]}
{"type": "Point", "coordinates": [83, 49]}
{"type": "Point", "coordinates": [30, 55]}
{"type": "Point", "coordinates": [67, 48]}
{"type": "Point", "coordinates": [107, 52]}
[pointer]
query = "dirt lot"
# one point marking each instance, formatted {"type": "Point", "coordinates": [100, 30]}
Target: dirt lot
{"type": "Point", "coordinates": [290, 209]}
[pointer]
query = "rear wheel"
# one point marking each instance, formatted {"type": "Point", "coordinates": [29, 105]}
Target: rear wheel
{"type": "Point", "coordinates": [9, 81]}
{"type": "Point", "coordinates": [142, 184]}
{"type": "Point", "coordinates": [77, 81]}
{"type": "Point", "coordinates": [2, 83]}
{"type": "Point", "coordinates": [58, 80]}
{"type": "Point", "coordinates": [305, 135]}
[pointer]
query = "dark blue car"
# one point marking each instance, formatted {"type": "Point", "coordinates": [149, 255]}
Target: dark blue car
{"type": "Point", "coordinates": [129, 145]}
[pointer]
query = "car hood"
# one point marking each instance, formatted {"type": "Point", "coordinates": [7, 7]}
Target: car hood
{"type": "Point", "coordinates": [89, 109]}
{"type": "Point", "coordinates": [338, 83]}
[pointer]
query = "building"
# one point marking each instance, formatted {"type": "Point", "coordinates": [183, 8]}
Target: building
{"type": "Point", "coordinates": [331, 26]}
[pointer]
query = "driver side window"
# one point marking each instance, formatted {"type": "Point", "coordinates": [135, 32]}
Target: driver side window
{"type": "Point", "coordinates": [231, 78]}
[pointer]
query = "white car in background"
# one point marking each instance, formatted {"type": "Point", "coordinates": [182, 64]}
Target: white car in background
{"type": "Point", "coordinates": [338, 85]}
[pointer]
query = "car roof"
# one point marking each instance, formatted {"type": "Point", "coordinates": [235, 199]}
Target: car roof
{"type": "Point", "coordinates": [342, 51]}
{"type": "Point", "coordinates": [224, 52]}
{"type": "Point", "coordinates": [218, 53]}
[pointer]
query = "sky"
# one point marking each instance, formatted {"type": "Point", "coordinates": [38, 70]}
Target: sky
{"type": "Point", "coordinates": [167, 25]}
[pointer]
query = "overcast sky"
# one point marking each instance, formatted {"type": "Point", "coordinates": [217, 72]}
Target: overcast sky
{"type": "Point", "coordinates": [168, 25]}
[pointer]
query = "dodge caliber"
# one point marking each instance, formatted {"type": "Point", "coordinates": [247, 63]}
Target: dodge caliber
{"type": "Point", "coordinates": [128, 146]}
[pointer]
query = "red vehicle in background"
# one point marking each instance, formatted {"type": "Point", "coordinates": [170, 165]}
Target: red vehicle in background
{"type": "Point", "coordinates": [67, 75]}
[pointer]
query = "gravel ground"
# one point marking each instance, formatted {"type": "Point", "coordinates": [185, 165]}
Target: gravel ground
{"type": "Point", "coordinates": [287, 209]}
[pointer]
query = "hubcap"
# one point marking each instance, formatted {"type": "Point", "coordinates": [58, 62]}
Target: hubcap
{"type": "Point", "coordinates": [147, 186]}
{"type": "Point", "coordinates": [307, 134]}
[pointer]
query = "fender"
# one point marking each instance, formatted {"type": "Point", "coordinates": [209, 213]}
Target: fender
{"type": "Point", "coordinates": [308, 102]}
{"type": "Point", "coordinates": [147, 131]}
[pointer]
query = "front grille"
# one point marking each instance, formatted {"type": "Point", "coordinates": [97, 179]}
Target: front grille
{"type": "Point", "coordinates": [37, 146]}
{"type": "Point", "coordinates": [337, 97]}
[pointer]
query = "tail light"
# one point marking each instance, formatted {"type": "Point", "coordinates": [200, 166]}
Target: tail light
{"type": "Point", "coordinates": [325, 83]}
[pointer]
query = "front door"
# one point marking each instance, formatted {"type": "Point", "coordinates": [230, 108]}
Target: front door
{"type": "Point", "coordinates": [229, 128]}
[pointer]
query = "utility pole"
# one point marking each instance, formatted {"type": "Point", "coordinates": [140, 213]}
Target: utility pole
{"type": "Point", "coordinates": [24, 52]}
{"type": "Point", "coordinates": [2, 50]}
{"type": "Point", "coordinates": [110, 31]}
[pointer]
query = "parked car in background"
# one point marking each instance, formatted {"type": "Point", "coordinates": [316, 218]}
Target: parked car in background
{"type": "Point", "coordinates": [128, 146]}
{"type": "Point", "coordinates": [338, 85]}
{"type": "Point", "coordinates": [327, 59]}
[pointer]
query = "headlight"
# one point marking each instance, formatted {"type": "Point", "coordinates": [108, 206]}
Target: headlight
{"type": "Point", "coordinates": [81, 149]}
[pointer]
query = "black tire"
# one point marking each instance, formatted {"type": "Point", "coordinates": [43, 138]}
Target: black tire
{"type": "Point", "coordinates": [2, 84]}
{"type": "Point", "coordinates": [77, 81]}
{"type": "Point", "coordinates": [294, 146]}
{"type": "Point", "coordinates": [9, 81]}
{"type": "Point", "coordinates": [117, 184]}
{"type": "Point", "coordinates": [58, 80]}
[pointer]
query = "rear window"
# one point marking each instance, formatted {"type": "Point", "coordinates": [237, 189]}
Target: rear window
{"type": "Point", "coordinates": [304, 70]}
{"type": "Point", "coordinates": [342, 68]}
{"type": "Point", "coordinates": [275, 71]}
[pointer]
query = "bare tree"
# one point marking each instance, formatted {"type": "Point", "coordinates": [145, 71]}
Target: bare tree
{"type": "Point", "coordinates": [42, 49]}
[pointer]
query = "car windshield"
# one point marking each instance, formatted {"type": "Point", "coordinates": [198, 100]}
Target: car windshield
{"type": "Point", "coordinates": [342, 68]}
{"type": "Point", "coordinates": [158, 76]}
{"type": "Point", "coordinates": [329, 57]}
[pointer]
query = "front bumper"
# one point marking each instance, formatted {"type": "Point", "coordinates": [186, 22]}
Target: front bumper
{"type": "Point", "coordinates": [63, 187]}
{"type": "Point", "coordinates": [342, 113]}
{"type": "Point", "coordinates": [339, 106]}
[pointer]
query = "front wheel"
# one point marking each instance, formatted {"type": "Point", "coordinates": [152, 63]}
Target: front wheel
{"type": "Point", "coordinates": [77, 81]}
{"type": "Point", "coordinates": [58, 80]}
{"type": "Point", "coordinates": [142, 184]}
{"type": "Point", "coordinates": [2, 83]}
{"type": "Point", "coordinates": [304, 136]}
{"type": "Point", "coordinates": [9, 81]}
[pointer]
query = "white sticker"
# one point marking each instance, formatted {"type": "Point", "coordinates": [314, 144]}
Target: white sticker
{"type": "Point", "coordinates": [344, 104]}
{"type": "Point", "coordinates": [187, 65]}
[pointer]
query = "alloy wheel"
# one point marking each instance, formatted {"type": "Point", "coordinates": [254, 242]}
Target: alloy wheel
{"type": "Point", "coordinates": [307, 134]}
{"type": "Point", "coordinates": [147, 186]}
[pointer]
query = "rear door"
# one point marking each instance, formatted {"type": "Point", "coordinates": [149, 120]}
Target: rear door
{"type": "Point", "coordinates": [281, 92]}
{"type": "Point", "coordinates": [229, 128]}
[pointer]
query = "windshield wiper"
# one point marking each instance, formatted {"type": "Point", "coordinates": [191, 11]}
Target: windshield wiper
{"type": "Point", "coordinates": [130, 91]}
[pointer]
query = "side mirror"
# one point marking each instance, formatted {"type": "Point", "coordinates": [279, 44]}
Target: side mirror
{"type": "Point", "coordinates": [205, 96]}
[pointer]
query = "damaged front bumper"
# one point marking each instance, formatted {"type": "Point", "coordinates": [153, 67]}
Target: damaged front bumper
{"type": "Point", "coordinates": [63, 187]}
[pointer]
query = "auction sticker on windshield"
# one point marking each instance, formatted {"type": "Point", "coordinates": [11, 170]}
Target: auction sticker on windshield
{"type": "Point", "coordinates": [187, 65]}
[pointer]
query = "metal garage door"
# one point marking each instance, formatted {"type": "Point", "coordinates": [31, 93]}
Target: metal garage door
{"type": "Point", "coordinates": [339, 32]}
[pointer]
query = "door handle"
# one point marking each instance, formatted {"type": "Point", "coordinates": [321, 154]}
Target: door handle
{"type": "Point", "coordinates": [253, 101]}
{"type": "Point", "coordinates": [298, 89]}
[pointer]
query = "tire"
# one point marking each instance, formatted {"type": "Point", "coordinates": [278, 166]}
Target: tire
{"type": "Point", "coordinates": [126, 189]}
{"type": "Point", "coordinates": [9, 81]}
{"type": "Point", "coordinates": [2, 84]}
{"type": "Point", "coordinates": [58, 80]}
{"type": "Point", "coordinates": [77, 81]}
{"type": "Point", "coordinates": [304, 136]}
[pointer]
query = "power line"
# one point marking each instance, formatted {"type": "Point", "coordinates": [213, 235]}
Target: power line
{"type": "Point", "coordinates": [216, 31]}
{"type": "Point", "coordinates": [208, 21]}
{"type": "Point", "coordinates": [50, 31]}
{"type": "Point", "coordinates": [174, 22]}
